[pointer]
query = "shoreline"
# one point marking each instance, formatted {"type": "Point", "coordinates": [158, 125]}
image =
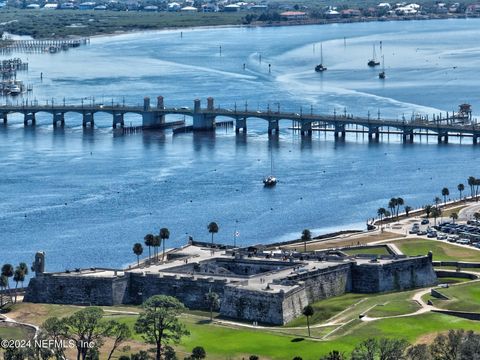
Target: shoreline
{"type": "Point", "coordinates": [284, 23]}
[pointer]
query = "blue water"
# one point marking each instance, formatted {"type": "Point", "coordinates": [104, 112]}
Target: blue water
{"type": "Point", "coordinates": [85, 198]}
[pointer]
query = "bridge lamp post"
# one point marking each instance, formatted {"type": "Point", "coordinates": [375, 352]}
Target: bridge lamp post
{"type": "Point", "coordinates": [301, 111]}
{"type": "Point", "coordinates": [52, 102]}
{"type": "Point", "coordinates": [268, 107]}
{"type": "Point", "coordinates": [82, 103]}
{"type": "Point", "coordinates": [311, 110]}
{"type": "Point", "coordinates": [64, 102]}
{"type": "Point", "coordinates": [246, 106]}
{"type": "Point", "coordinates": [235, 107]}
{"type": "Point", "coordinates": [368, 115]}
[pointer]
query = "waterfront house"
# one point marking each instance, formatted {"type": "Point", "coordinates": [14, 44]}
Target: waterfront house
{"type": "Point", "coordinates": [189, 9]}
{"type": "Point", "coordinates": [231, 8]}
{"type": "Point", "coordinates": [89, 5]}
{"type": "Point", "coordinates": [51, 6]}
{"type": "Point", "coordinates": [294, 15]}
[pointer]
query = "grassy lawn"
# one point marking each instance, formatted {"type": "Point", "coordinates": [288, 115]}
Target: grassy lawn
{"type": "Point", "coordinates": [393, 308]}
{"type": "Point", "coordinates": [350, 240]}
{"type": "Point", "coordinates": [464, 297]}
{"type": "Point", "coordinates": [452, 280]}
{"type": "Point", "coordinates": [226, 343]}
{"type": "Point", "coordinates": [14, 332]}
{"type": "Point", "coordinates": [377, 250]}
{"type": "Point", "coordinates": [222, 342]}
{"type": "Point", "coordinates": [442, 251]}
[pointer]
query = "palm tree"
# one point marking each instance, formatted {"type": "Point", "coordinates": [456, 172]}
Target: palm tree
{"type": "Point", "coordinates": [308, 311]}
{"type": "Point", "coordinates": [18, 276]}
{"type": "Point", "coordinates": [445, 193]}
{"type": "Point", "coordinates": [7, 271]}
{"type": "Point", "coordinates": [381, 212]}
{"type": "Point", "coordinates": [428, 210]}
{"type": "Point", "coordinates": [212, 229]}
{"type": "Point", "coordinates": [436, 212]}
{"type": "Point", "coordinates": [138, 250]}
{"type": "Point", "coordinates": [3, 286]}
{"type": "Point", "coordinates": [454, 216]}
{"type": "Point", "coordinates": [149, 240]}
{"type": "Point", "coordinates": [306, 236]}
{"type": "Point", "coordinates": [471, 182]}
{"type": "Point", "coordinates": [477, 184]}
{"type": "Point", "coordinates": [460, 188]}
{"type": "Point", "coordinates": [392, 204]}
{"type": "Point", "coordinates": [24, 268]}
{"type": "Point", "coordinates": [399, 201]}
{"type": "Point", "coordinates": [164, 235]}
{"type": "Point", "coordinates": [213, 301]}
{"type": "Point", "coordinates": [408, 209]}
{"type": "Point", "coordinates": [437, 201]}
{"type": "Point", "coordinates": [156, 244]}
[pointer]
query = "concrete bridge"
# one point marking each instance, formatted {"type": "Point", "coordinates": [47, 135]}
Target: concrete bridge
{"type": "Point", "coordinates": [204, 119]}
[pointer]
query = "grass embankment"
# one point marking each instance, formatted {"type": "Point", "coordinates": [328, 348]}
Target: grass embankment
{"type": "Point", "coordinates": [464, 297]}
{"type": "Point", "coordinates": [344, 241]}
{"type": "Point", "coordinates": [393, 308]}
{"type": "Point", "coordinates": [12, 332]}
{"type": "Point", "coordinates": [58, 24]}
{"type": "Point", "coordinates": [373, 250]}
{"type": "Point", "coordinates": [442, 251]}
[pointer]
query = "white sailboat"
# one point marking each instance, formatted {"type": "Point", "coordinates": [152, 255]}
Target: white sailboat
{"type": "Point", "coordinates": [270, 180]}
{"type": "Point", "coordinates": [373, 62]}
{"type": "Point", "coordinates": [381, 75]}
{"type": "Point", "coordinates": [320, 67]}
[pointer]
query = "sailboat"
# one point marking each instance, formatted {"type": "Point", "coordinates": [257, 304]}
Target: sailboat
{"type": "Point", "coordinates": [320, 67]}
{"type": "Point", "coordinates": [381, 75]}
{"type": "Point", "coordinates": [373, 61]}
{"type": "Point", "coordinates": [270, 180]}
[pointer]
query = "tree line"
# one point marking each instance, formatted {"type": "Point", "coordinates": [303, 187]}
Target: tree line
{"type": "Point", "coordinates": [154, 242]}
{"type": "Point", "coordinates": [17, 274]}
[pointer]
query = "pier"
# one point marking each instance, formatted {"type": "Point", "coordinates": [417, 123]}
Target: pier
{"type": "Point", "coordinates": [204, 119]}
{"type": "Point", "coordinates": [38, 46]}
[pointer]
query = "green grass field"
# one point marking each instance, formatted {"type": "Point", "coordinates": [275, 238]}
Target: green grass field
{"type": "Point", "coordinates": [464, 297]}
{"type": "Point", "coordinates": [378, 250]}
{"type": "Point", "coordinates": [393, 308]}
{"type": "Point", "coordinates": [442, 251]}
{"type": "Point", "coordinates": [14, 332]}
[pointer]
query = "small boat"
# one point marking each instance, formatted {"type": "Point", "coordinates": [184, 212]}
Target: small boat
{"type": "Point", "coordinates": [52, 49]}
{"type": "Point", "coordinates": [381, 75]}
{"type": "Point", "coordinates": [373, 61]}
{"type": "Point", "coordinates": [14, 90]}
{"type": "Point", "coordinates": [320, 67]}
{"type": "Point", "coordinates": [270, 180]}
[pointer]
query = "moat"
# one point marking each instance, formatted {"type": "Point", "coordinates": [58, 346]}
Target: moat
{"type": "Point", "coordinates": [85, 197]}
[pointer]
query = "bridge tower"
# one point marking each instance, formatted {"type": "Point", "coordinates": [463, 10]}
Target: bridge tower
{"type": "Point", "coordinates": [203, 121]}
{"type": "Point", "coordinates": [339, 130]}
{"type": "Point", "coordinates": [153, 118]}
{"type": "Point", "coordinates": [373, 133]}
{"type": "Point", "coordinates": [443, 137]}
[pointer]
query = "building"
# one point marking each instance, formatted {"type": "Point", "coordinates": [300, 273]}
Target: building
{"type": "Point", "coordinates": [294, 15]}
{"type": "Point", "coordinates": [253, 285]}
{"type": "Point", "coordinates": [189, 9]}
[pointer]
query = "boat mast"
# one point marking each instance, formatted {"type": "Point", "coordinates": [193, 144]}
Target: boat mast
{"type": "Point", "coordinates": [374, 53]}
{"type": "Point", "coordinates": [321, 53]}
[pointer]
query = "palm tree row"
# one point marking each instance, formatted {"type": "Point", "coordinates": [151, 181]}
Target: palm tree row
{"type": "Point", "coordinates": [152, 241]}
{"type": "Point", "coordinates": [18, 274]}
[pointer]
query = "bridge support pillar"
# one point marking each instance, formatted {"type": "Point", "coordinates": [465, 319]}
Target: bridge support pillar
{"type": "Point", "coordinates": [273, 126]}
{"type": "Point", "coordinates": [3, 117]}
{"type": "Point", "coordinates": [306, 128]}
{"type": "Point", "coordinates": [339, 130]}
{"type": "Point", "coordinates": [475, 139]}
{"type": "Point", "coordinates": [153, 118]}
{"type": "Point", "coordinates": [203, 121]}
{"type": "Point", "coordinates": [443, 137]}
{"type": "Point", "coordinates": [241, 124]}
{"type": "Point", "coordinates": [59, 118]}
{"type": "Point", "coordinates": [407, 135]}
{"type": "Point", "coordinates": [29, 117]}
{"type": "Point", "coordinates": [88, 118]}
{"type": "Point", "coordinates": [373, 134]}
{"type": "Point", "coordinates": [118, 120]}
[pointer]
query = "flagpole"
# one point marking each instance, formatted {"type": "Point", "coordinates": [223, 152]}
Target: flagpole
{"type": "Point", "coordinates": [235, 234]}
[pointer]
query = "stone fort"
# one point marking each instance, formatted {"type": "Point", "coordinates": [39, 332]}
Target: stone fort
{"type": "Point", "coordinates": [253, 285]}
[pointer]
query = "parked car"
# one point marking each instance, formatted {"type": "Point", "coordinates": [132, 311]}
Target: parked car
{"type": "Point", "coordinates": [425, 222]}
{"type": "Point", "coordinates": [432, 234]}
{"type": "Point", "coordinates": [442, 237]}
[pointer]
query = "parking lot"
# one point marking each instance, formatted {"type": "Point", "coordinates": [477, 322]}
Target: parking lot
{"type": "Point", "coordinates": [464, 234]}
